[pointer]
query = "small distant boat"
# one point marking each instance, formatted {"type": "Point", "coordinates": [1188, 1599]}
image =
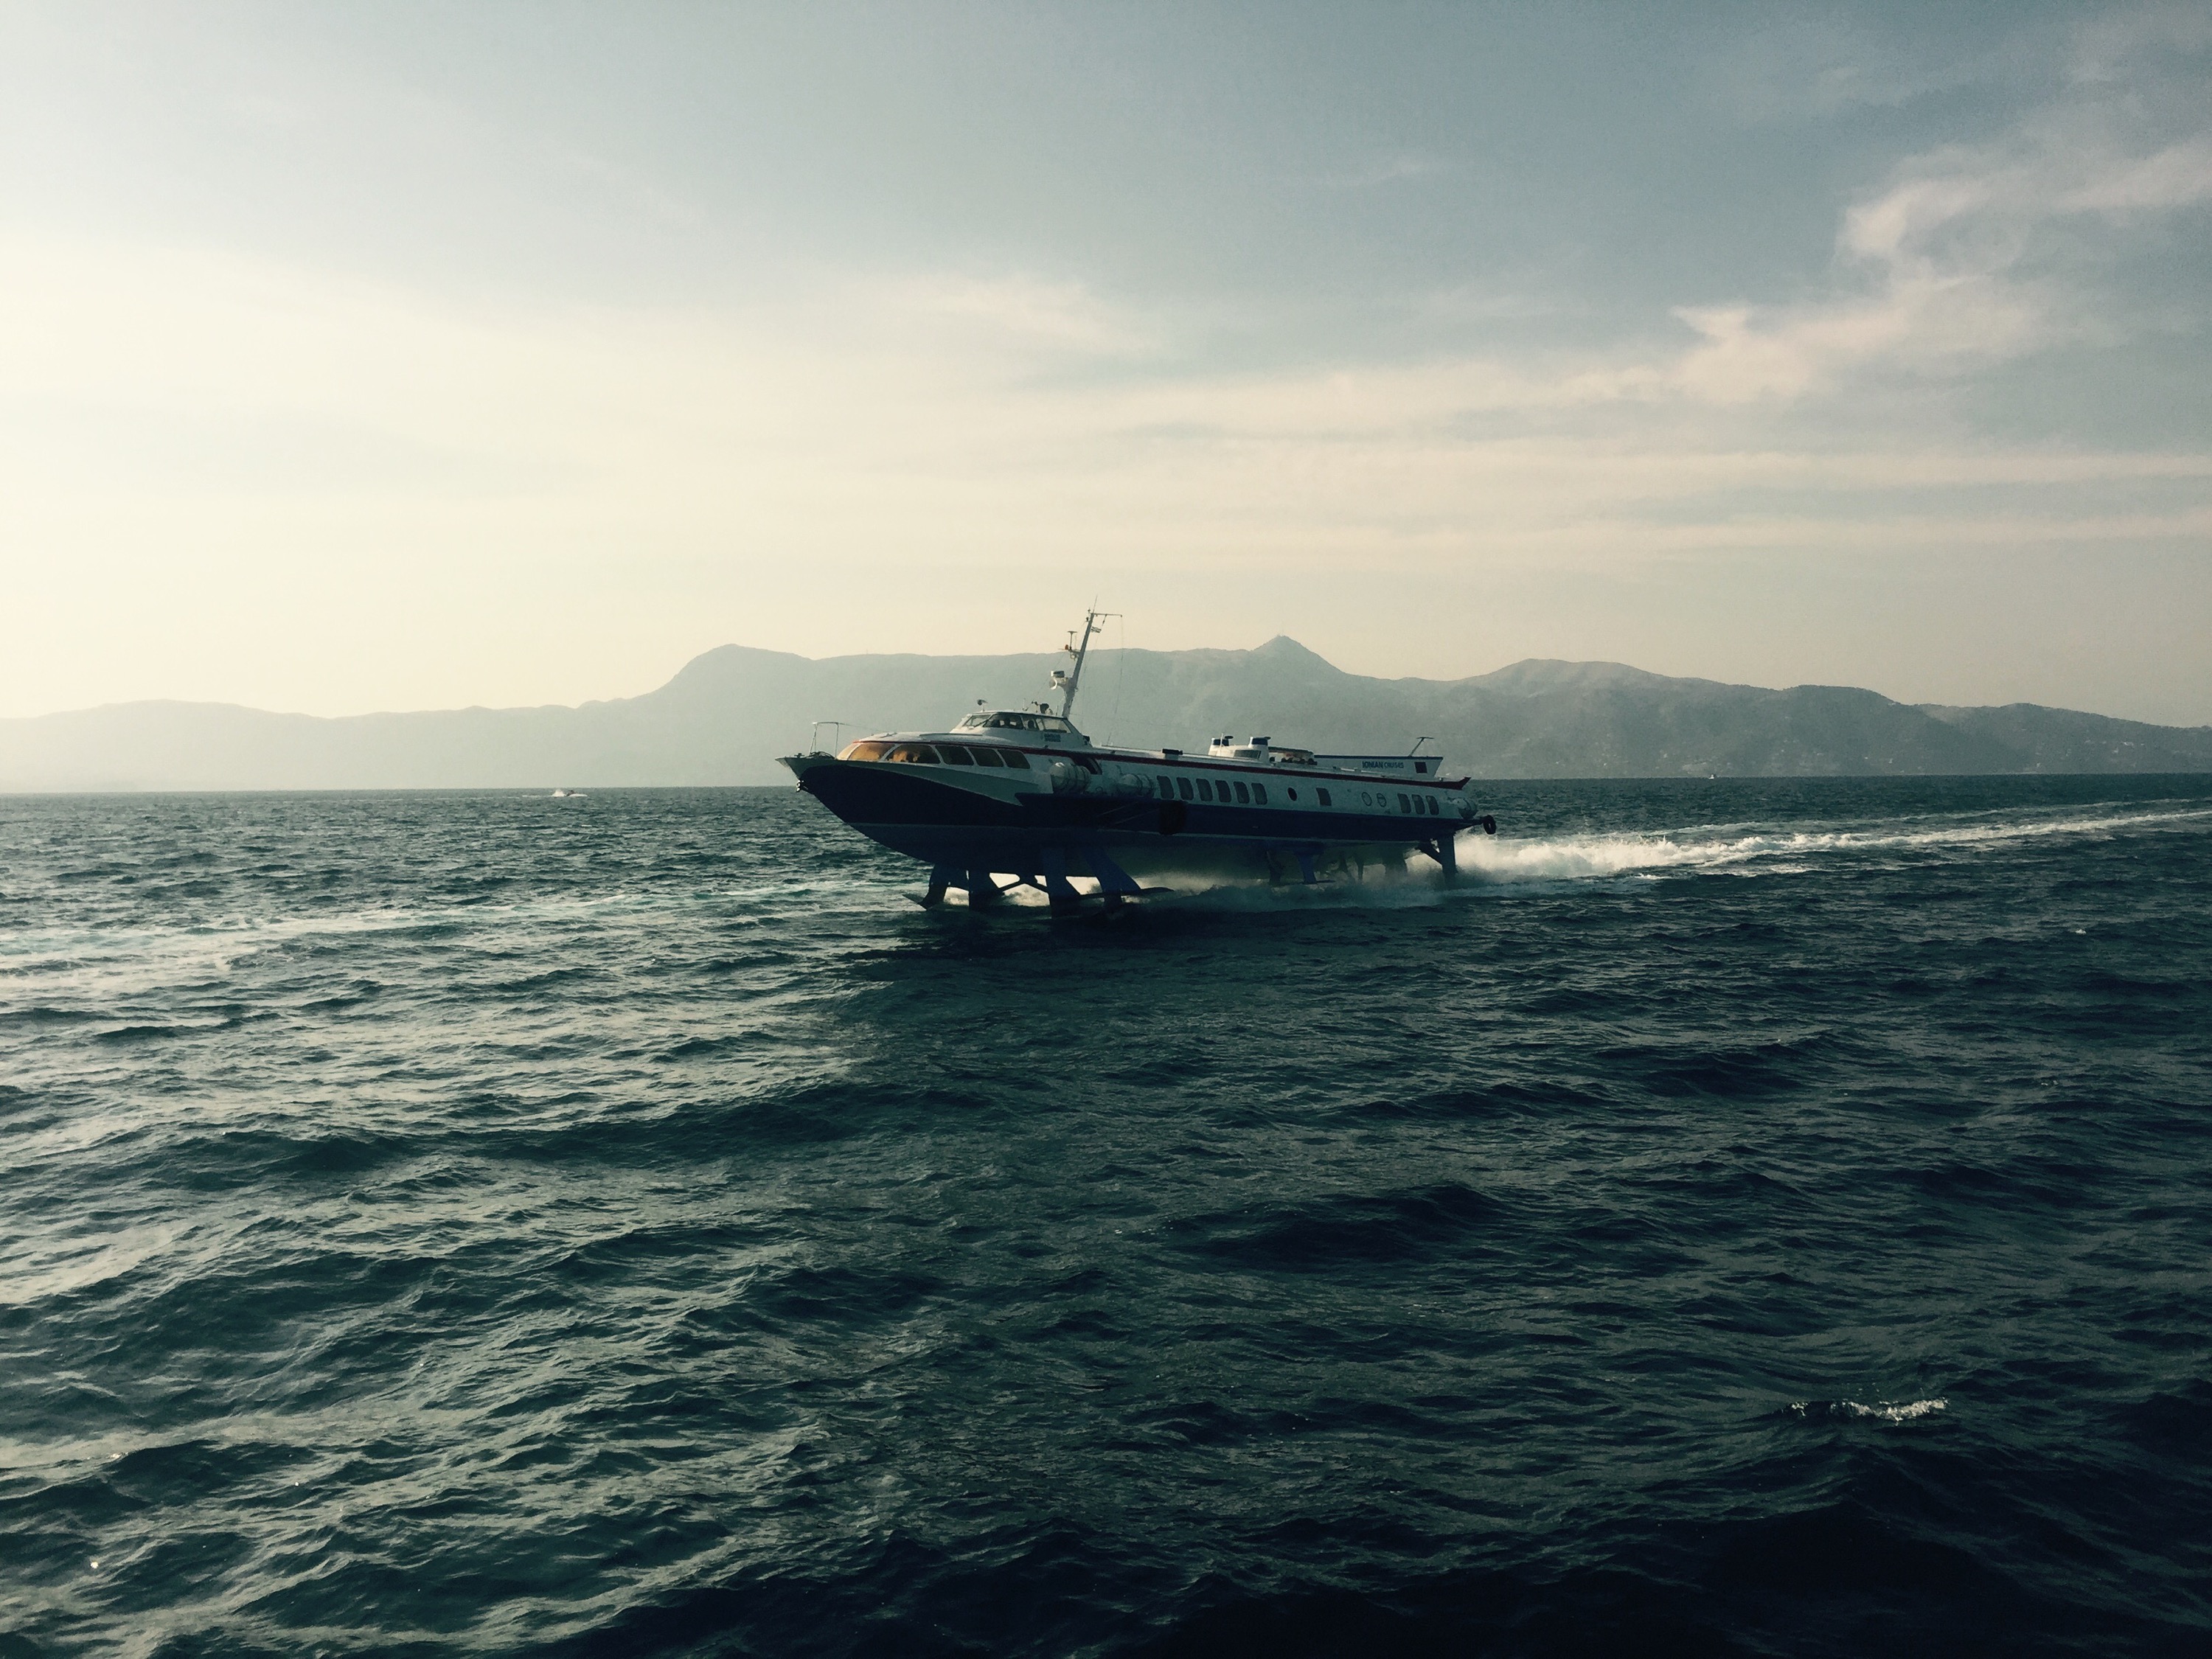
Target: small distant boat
{"type": "Point", "coordinates": [570, 794]}
{"type": "Point", "coordinates": [1022, 792]}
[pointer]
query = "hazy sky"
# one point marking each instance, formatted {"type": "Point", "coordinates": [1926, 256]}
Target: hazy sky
{"type": "Point", "coordinates": [393, 357]}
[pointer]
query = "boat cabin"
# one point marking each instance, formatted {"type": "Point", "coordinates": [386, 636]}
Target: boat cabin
{"type": "Point", "coordinates": [1045, 728]}
{"type": "Point", "coordinates": [1262, 751]}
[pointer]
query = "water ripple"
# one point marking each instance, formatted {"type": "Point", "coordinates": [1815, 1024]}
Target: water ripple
{"type": "Point", "coordinates": [1734, 1217]}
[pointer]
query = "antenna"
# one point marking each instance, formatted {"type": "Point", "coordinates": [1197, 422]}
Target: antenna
{"type": "Point", "coordinates": [1066, 680]}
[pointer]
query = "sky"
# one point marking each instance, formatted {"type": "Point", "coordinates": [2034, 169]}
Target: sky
{"type": "Point", "coordinates": [386, 355]}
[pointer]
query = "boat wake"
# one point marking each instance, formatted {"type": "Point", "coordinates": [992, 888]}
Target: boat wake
{"type": "Point", "coordinates": [1746, 848]}
{"type": "Point", "coordinates": [1487, 863]}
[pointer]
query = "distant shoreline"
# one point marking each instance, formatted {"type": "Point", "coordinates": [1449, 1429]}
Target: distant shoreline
{"type": "Point", "coordinates": [721, 721]}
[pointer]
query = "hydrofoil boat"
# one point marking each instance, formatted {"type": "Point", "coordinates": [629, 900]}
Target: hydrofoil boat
{"type": "Point", "coordinates": [1022, 793]}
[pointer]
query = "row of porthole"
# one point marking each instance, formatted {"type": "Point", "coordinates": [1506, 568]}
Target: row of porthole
{"type": "Point", "coordinates": [1421, 803]}
{"type": "Point", "coordinates": [1256, 795]}
{"type": "Point", "coordinates": [1246, 794]}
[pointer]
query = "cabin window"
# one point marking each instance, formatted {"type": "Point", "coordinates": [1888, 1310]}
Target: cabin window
{"type": "Point", "coordinates": [1294, 794]}
{"type": "Point", "coordinates": [1325, 800]}
{"type": "Point", "coordinates": [1421, 767]}
{"type": "Point", "coordinates": [1182, 787]}
{"type": "Point", "coordinates": [864, 752]}
{"type": "Point", "coordinates": [1015, 758]}
{"type": "Point", "coordinates": [983, 756]}
{"type": "Point", "coordinates": [1260, 794]}
{"type": "Point", "coordinates": [1204, 789]}
{"type": "Point", "coordinates": [1405, 805]}
{"type": "Point", "coordinates": [1167, 789]}
{"type": "Point", "coordinates": [1243, 796]}
{"type": "Point", "coordinates": [954, 755]}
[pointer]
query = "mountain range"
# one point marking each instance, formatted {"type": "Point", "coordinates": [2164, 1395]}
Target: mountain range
{"type": "Point", "coordinates": [730, 711]}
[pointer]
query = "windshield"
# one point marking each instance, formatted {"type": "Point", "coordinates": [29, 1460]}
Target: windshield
{"type": "Point", "coordinates": [1012, 721]}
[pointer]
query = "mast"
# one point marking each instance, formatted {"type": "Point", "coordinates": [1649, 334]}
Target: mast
{"type": "Point", "coordinates": [1065, 681]}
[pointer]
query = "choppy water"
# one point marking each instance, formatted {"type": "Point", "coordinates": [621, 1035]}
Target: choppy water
{"type": "Point", "coordinates": [1737, 1217]}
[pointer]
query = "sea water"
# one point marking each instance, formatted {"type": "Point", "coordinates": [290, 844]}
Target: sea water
{"type": "Point", "coordinates": [1732, 1217]}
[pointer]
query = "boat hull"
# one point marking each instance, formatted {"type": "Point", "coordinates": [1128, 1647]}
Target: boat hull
{"type": "Point", "coordinates": [1031, 833]}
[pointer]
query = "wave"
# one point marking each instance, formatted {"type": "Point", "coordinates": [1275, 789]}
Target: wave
{"type": "Point", "coordinates": [1851, 1410]}
{"type": "Point", "coordinates": [56, 972]}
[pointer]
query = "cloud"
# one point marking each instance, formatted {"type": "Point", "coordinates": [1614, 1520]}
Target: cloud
{"type": "Point", "coordinates": [1747, 355]}
{"type": "Point", "coordinates": [1949, 266]}
{"type": "Point", "coordinates": [1966, 255]}
{"type": "Point", "coordinates": [1974, 211]}
{"type": "Point", "coordinates": [831, 428]}
{"type": "Point", "coordinates": [2180, 175]}
{"type": "Point", "coordinates": [1940, 266]}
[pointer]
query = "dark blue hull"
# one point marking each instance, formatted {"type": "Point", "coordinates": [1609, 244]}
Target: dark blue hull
{"type": "Point", "coordinates": [910, 812]}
